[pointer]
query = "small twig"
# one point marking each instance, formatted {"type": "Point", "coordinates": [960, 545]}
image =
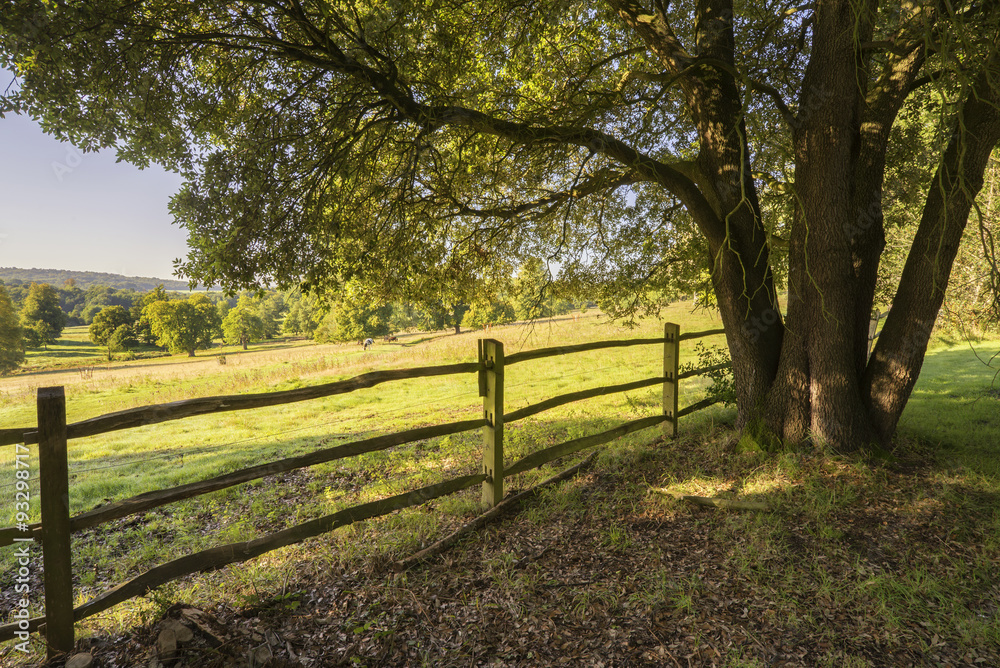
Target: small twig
{"type": "Point", "coordinates": [446, 542]}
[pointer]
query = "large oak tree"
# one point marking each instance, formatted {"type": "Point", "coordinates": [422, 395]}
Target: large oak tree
{"type": "Point", "coordinates": [381, 141]}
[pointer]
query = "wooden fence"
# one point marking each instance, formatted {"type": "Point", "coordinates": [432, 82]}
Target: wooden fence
{"type": "Point", "coordinates": [52, 434]}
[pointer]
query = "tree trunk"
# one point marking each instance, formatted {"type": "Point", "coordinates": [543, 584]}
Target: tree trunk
{"type": "Point", "coordinates": [808, 375]}
{"type": "Point", "coordinates": [816, 392]}
{"type": "Point", "coordinates": [826, 388]}
{"type": "Point", "coordinates": [899, 351]}
{"type": "Point", "coordinates": [728, 213]}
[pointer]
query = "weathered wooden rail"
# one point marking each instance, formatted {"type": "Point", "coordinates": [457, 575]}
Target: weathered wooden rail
{"type": "Point", "coordinates": [52, 434]}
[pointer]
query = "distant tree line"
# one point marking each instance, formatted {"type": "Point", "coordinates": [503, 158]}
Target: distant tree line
{"type": "Point", "coordinates": [122, 321]}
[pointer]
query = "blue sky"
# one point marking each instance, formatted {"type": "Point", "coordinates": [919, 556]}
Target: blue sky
{"type": "Point", "coordinates": [64, 209]}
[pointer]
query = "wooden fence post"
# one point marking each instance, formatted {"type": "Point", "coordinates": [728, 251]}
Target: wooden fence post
{"type": "Point", "coordinates": [671, 386]}
{"type": "Point", "coordinates": [491, 389]}
{"type": "Point", "coordinates": [54, 492]}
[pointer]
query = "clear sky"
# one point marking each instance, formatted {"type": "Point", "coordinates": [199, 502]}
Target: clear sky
{"type": "Point", "coordinates": [64, 209]}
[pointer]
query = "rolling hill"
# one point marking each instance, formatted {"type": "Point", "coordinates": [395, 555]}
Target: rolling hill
{"type": "Point", "coordinates": [84, 279]}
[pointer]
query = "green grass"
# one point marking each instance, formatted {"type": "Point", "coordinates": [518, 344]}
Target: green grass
{"type": "Point", "coordinates": [834, 509]}
{"type": "Point", "coordinates": [955, 404]}
{"type": "Point", "coordinates": [73, 347]}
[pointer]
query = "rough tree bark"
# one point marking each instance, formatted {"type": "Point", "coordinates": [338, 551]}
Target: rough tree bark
{"type": "Point", "coordinates": [808, 376]}
{"type": "Point", "coordinates": [899, 351]}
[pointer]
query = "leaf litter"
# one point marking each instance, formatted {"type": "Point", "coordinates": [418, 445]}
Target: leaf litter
{"type": "Point", "coordinates": [862, 565]}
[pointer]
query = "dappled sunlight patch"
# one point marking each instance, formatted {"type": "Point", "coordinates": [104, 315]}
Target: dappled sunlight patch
{"type": "Point", "coordinates": [767, 485]}
{"type": "Point", "coordinates": [926, 507]}
{"type": "Point", "coordinates": [695, 486]}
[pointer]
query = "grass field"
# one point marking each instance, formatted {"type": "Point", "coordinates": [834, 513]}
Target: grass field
{"type": "Point", "coordinates": [947, 439]}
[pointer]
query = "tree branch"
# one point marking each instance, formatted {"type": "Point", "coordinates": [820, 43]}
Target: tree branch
{"type": "Point", "coordinates": [779, 102]}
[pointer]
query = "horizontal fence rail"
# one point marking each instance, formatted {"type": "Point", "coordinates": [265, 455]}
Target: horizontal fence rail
{"type": "Point", "coordinates": [217, 557]}
{"type": "Point", "coordinates": [540, 353]}
{"type": "Point", "coordinates": [569, 398]}
{"type": "Point", "coordinates": [55, 533]}
{"type": "Point", "coordinates": [554, 452]}
{"type": "Point", "coordinates": [156, 499]}
{"type": "Point", "coordinates": [147, 415]}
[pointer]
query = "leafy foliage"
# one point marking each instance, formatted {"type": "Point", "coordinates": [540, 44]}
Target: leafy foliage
{"type": "Point", "coordinates": [499, 312]}
{"type": "Point", "coordinates": [242, 324]}
{"type": "Point", "coordinates": [184, 326]}
{"type": "Point", "coordinates": [11, 337]}
{"type": "Point", "coordinates": [42, 319]}
{"type": "Point", "coordinates": [143, 328]}
{"type": "Point", "coordinates": [355, 317]}
{"type": "Point", "coordinates": [303, 314]}
{"type": "Point", "coordinates": [113, 329]}
{"type": "Point", "coordinates": [723, 386]}
{"type": "Point", "coordinates": [530, 288]}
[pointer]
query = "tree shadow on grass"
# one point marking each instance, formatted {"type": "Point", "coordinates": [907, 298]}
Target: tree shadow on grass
{"type": "Point", "coordinates": [955, 406]}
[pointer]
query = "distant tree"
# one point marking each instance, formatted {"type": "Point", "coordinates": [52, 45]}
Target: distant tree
{"type": "Point", "coordinates": [441, 295]}
{"type": "Point", "coordinates": [17, 292]}
{"type": "Point", "coordinates": [96, 297]}
{"type": "Point", "coordinates": [437, 315]}
{"type": "Point", "coordinates": [326, 329]}
{"type": "Point", "coordinates": [223, 306]}
{"type": "Point", "coordinates": [184, 326]}
{"type": "Point", "coordinates": [303, 314]}
{"type": "Point", "coordinates": [113, 329]}
{"type": "Point", "coordinates": [42, 318]}
{"type": "Point", "coordinates": [270, 309]}
{"type": "Point", "coordinates": [242, 323]}
{"type": "Point", "coordinates": [532, 293]}
{"type": "Point", "coordinates": [11, 336]}
{"type": "Point", "coordinates": [355, 317]}
{"type": "Point", "coordinates": [292, 324]}
{"type": "Point", "coordinates": [142, 328]}
{"type": "Point", "coordinates": [72, 300]}
{"type": "Point", "coordinates": [498, 312]}
{"type": "Point", "coordinates": [407, 316]}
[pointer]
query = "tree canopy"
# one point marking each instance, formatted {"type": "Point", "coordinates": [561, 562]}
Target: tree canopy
{"type": "Point", "coordinates": [639, 146]}
{"type": "Point", "coordinates": [113, 328]}
{"type": "Point", "coordinates": [184, 326]}
{"type": "Point", "coordinates": [42, 318]}
{"type": "Point", "coordinates": [11, 337]}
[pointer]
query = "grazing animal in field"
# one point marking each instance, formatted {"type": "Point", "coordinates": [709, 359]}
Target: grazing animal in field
{"type": "Point", "coordinates": [389, 339]}
{"type": "Point", "coordinates": [368, 343]}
